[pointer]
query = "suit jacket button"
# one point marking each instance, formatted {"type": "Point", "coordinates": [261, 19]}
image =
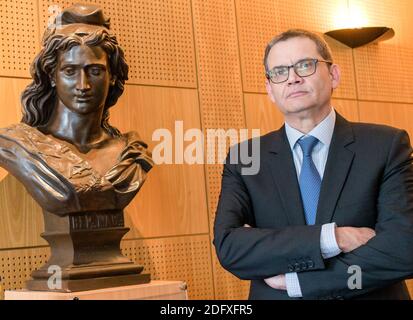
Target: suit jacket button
{"type": "Point", "coordinates": [297, 266]}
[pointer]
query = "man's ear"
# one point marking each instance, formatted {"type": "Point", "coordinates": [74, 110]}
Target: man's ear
{"type": "Point", "coordinates": [335, 75]}
{"type": "Point", "coordinates": [269, 90]}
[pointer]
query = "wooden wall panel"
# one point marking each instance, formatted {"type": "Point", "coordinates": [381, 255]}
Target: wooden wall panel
{"type": "Point", "coordinates": [227, 286]}
{"type": "Point", "coordinates": [19, 38]}
{"type": "Point", "coordinates": [3, 174]}
{"type": "Point", "coordinates": [179, 258]}
{"type": "Point", "coordinates": [157, 38]}
{"type": "Point", "coordinates": [17, 265]}
{"type": "Point", "coordinates": [220, 93]}
{"type": "Point", "coordinates": [392, 114]}
{"type": "Point", "coordinates": [309, 14]}
{"type": "Point", "coordinates": [347, 108]}
{"type": "Point", "coordinates": [10, 107]}
{"type": "Point", "coordinates": [173, 199]}
{"type": "Point", "coordinates": [21, 219]}
{"type": "Point", "coordinates": [382, 70]}
{"type": "Point", "coordinates": [159, 41]}
{"type": "Point", "coordinates": [219, 77]}
{"type": "Point", "coordinates": [257, 25]}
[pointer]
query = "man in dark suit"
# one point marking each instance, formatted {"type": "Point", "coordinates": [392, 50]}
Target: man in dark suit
{"type": "Point", "coordinates": [329, 215]}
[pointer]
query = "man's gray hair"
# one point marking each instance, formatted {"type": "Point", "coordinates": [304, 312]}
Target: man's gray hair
{"type": "Point", "coordinates": [322, 46]}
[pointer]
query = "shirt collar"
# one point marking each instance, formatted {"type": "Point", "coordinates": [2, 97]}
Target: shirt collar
{"type": "Point", "coordinates": [323, 131]}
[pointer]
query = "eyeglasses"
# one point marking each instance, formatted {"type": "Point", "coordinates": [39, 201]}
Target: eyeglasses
{"type": "Point", "coordinates": [303, 68]}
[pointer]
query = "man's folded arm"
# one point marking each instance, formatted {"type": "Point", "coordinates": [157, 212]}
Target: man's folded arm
{"type": "Point", "coordinates": [329, 249]}
{"type": "Point", "coordinates": [341, 272]}
{"type": "Point", "coordinates": [388, 257]}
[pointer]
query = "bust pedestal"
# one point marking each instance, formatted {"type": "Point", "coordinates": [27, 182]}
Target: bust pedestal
{"type": "Point", "coordinates": [155, 290]}
{"type": "Point", "coordinates": [85, 253]}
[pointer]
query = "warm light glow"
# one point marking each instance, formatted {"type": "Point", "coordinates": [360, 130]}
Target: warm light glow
{"type": "Point", "coordinates": [349, 17]}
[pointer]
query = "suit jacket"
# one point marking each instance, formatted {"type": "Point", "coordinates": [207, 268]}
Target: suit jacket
{"type": "Point", "coordinates": [368, 182]}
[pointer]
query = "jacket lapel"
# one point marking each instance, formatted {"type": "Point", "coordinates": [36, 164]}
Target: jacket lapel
{"type": "Point", "coordinates": [281, 164]}
{"type": "Point", "coordinates": [336, 171]}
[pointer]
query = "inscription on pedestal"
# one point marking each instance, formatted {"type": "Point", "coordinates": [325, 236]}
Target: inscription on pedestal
{"type": "Point", "coordinates": [96, 220]}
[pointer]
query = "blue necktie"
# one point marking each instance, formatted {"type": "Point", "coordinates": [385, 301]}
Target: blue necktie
{"type": "Point", "coordinates": [310, 181]}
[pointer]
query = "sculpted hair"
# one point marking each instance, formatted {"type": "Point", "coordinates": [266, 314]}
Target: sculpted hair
{"type": "Point", "coordinates": [39, 98]}
{"type": "Point", "coordinates": [322, 46]}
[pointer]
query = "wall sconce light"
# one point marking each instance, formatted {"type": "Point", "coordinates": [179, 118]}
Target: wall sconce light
{"type": "Point", "coordinates": [358, 37]}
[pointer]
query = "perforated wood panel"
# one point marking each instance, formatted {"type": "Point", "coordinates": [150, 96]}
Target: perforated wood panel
{"type": "Point", "coordinates": [393, 114]}
{"type": "Point", "coordinates": [219, 80]}
{"type": "Point", "coordinates": [383, 72]}
{"type": "Point", "coordinates": [181, 258]}
{"type": "Point", "coordinates": [218, 64]}
{"type": "Point", "coordinates": [173, 199]}
{"type": "Point", "coordinates": [257, 25]}
{"type": "Point", "coordinates": [17, 265]}
{"type": "Point", "coordinates": [156, 36]}
{"type": "Point", "coordinates": [159, 41]}
{"type": "Point", "coordinates": [260, 20]}
{"type": "Point", "coordinates": [10, 108]}
{"type": "Point", "coordinates": [220, 91]}
{"type": "Point", "coordinates": [21, 219]}
{"type": "Point", "coordinates": [310, 14]}
{"type": "Point", "coordinates": [228, 286]}
{"type": "Point", "coordinates": [18, 36]}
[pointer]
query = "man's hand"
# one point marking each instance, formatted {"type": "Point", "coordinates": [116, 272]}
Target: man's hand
{"type": "Point", "coordinates": [277, 282]}
{"type": "Point", "coordinates": [350, 238]}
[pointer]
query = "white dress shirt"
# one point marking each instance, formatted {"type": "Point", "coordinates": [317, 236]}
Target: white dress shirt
{"type": "Point", "coordinates": [324, 133]}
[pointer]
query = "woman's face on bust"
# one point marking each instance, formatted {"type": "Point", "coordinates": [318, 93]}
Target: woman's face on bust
{"type": "Point", "coordinates": [83, 78]}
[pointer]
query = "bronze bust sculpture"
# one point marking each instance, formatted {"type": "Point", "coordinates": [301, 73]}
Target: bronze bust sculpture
{"type": "Point", "coordinates": [82, 171]}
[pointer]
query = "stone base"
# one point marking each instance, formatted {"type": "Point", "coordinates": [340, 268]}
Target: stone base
{"type": "Point", "coordinates": [89, 284]}
{"type": "Point", "coordinates": [155, 290]}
